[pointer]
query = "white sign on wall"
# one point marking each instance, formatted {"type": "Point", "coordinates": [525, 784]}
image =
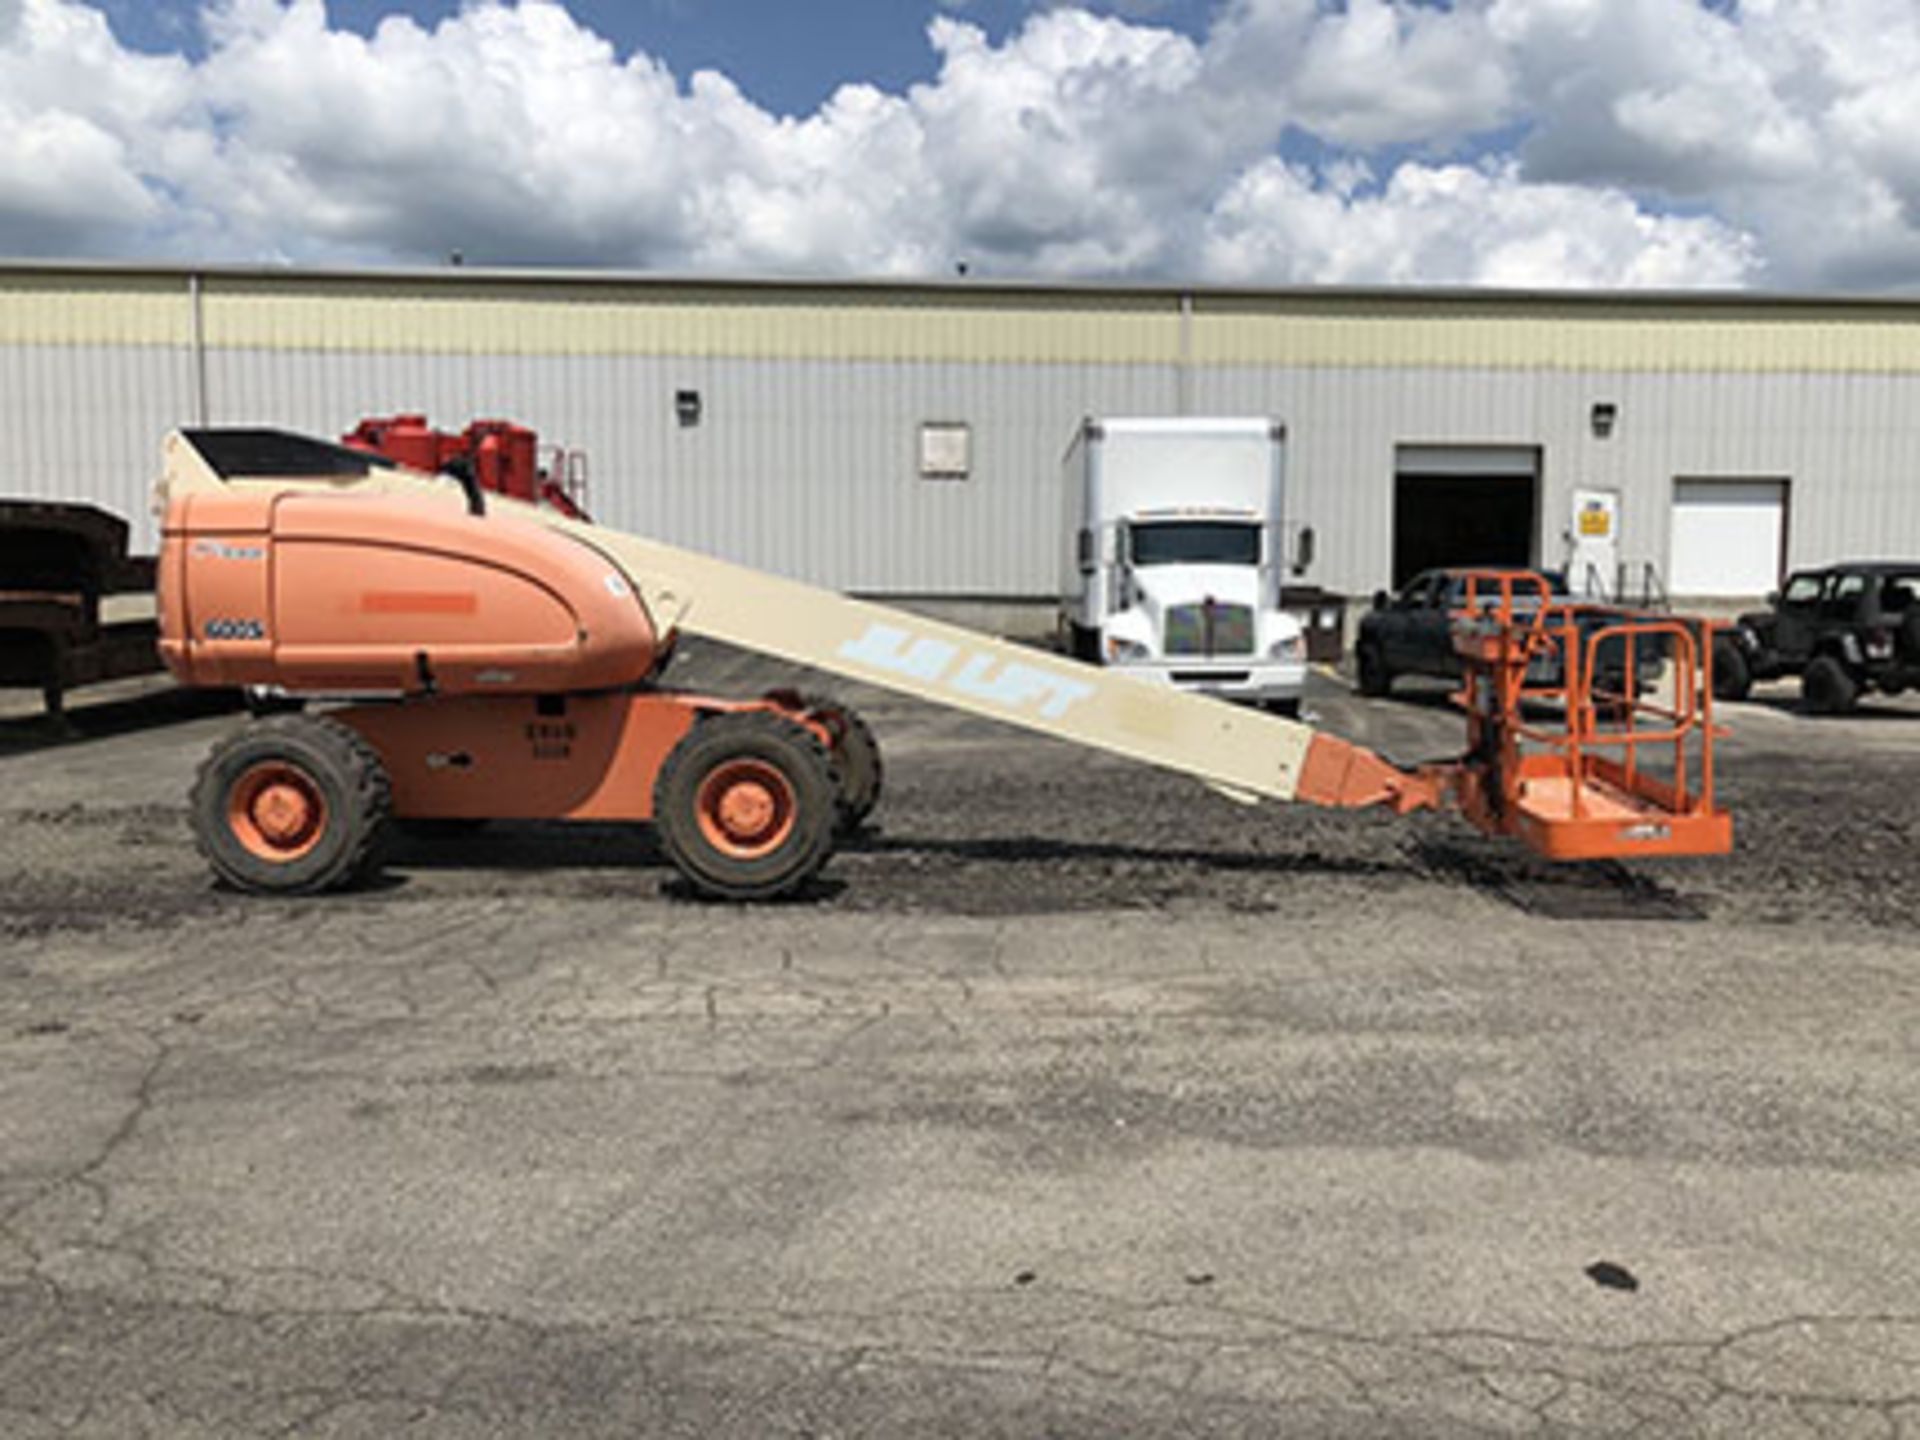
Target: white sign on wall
{"type": "Point", "coordinates": [1593, 550]}
{"type": "Point", "coordinates": [946, 450]}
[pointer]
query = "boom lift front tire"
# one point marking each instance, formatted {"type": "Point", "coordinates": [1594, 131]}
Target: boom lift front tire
{"type": "Point", "coordinates": [1828, 688]}
{"type": "Point", "coordinates": [745, 806]}
{"type": "Point", "coordinates": [292, 805]}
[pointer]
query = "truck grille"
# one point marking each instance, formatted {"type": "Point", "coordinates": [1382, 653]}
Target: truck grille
{"type": "Point", "coordinates": [1190, 633]}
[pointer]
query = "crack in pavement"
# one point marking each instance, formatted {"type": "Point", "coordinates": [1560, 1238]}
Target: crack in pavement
{"type": "Point", "coordinates": [1086, 1343]}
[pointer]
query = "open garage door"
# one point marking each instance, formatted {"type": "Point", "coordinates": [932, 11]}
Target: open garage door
{"type": "Point", "coordinates": [1464, 505]}
{"type": "Point", "coordinates": [1729, 537]}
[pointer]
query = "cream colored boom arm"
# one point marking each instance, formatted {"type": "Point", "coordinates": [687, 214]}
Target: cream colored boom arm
{"type": "Point", "coordinates": [1240, 751]}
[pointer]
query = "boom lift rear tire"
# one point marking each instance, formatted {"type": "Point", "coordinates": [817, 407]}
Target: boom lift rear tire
{"type": "Point", "coordinates": [862, 774]}
{"type": "Point", "coordinates": [745, 806]}
{"type": "Point", "coordinates": [855, 754]}
{"type": "Point", "coordinates": [292, 805]}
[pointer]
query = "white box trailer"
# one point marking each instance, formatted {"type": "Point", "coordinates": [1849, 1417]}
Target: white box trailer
{"type": "Point", "coordinates": [1173, 552]}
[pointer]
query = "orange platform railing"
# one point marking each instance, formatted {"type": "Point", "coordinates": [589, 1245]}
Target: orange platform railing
{"type": "Point", "coordinates": [1568, 751]}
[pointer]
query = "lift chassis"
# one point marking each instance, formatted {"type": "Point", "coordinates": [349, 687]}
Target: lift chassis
{"type": "Point", "coordinates": [495, 660]}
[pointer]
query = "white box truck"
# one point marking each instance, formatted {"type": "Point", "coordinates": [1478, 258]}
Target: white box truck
{"type": "Point", "coordinates": [1173, 555]}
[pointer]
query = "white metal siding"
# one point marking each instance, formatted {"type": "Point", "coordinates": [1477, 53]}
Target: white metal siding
{"type": "Point", "coordinates": [805, 468]}
{"type": "Point", "coordinates": [804, 461]}
{"type": "Point", "coordinates": [1850, 442]}
{"type": "Point", "coordinates": [84, 422]}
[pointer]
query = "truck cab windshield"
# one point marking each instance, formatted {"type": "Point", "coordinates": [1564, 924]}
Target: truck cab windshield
{"type": "Point", "coordinates": [1195, 542]}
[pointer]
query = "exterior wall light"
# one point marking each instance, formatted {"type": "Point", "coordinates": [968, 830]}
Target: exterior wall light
{"type": "Point", "coordinates": [686, 408]}
{"type": "Point", "coordinates": [1605, 412]}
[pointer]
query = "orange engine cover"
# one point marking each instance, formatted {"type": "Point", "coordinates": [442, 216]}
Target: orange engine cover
{"type": "Point", "coordinates": [349, 594]}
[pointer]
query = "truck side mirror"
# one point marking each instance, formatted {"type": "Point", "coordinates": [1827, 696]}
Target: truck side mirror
{"type": "Point", "coordinates": [1773, 598]}
{"type": "Point", "coordinates": [1303, 550]}
{"type": "Point", "coordinates": [1381, 600]}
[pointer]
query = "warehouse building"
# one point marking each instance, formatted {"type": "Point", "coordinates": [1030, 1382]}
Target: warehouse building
{"type": "Point", "coordinates": [904, 439]}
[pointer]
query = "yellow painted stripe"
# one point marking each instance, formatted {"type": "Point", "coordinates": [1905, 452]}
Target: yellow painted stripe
{"type": "Point", "coordinates": [483, 316]}
{"type": "Point", "coordinates": [1616, 336]}
{"type": "Point", "coordinates": [625, 320]}
{"type": "Point", "coordinates": [57, 309]}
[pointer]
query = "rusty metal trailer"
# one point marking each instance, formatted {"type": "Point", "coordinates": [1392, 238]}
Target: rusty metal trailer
{"type": "Point", "coordinates": [75, 608]}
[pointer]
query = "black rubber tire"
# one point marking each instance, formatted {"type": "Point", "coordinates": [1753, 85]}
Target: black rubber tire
{"type": "Point", "coordinates": [1285, 709]}
{"type": "Point", "coordinates": [1732, 675]}
{"type": "Point", "coordinates": [1371, 675]}
{"type": "Point", "coordinates": [438, 828]}
{"type": "Point", "coordinates": [1828, 688]}
{"type": "Point", "coordinates": [772, 740]}
{"type": "Point", "coordinates": [341, 767]}
{"type": "Point", "coordinates": [857, 763]}
{"type": "Point", "coordinates": [855, 753]}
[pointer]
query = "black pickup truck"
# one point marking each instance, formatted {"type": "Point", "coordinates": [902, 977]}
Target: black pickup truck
{"type": "Point", "coordinates": [1843, 630]}
{"type": "Point", "coordinates": [1410, 633]}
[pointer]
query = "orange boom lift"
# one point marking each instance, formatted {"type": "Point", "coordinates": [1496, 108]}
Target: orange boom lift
{"type": "Point", "coordinates": [480, 656]}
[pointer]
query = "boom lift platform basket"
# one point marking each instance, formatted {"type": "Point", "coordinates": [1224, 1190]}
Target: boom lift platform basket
{"type": "Point", "coordinates": [496, 659]}
{"type": "Point", "coordinates": [1622, 772]}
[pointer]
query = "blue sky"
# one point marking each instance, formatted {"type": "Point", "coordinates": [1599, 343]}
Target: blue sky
{"type": "Point", "coordinates": [1583, 143]}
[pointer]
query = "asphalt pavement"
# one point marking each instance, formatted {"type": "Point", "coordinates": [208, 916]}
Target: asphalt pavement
{"type": "Point", "coordinates": [1076, 1101]}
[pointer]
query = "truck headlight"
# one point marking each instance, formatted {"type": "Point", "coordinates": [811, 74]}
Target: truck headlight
{"type": "Point", "coordinates": [1121, 651]}
{"type": "Point", "coordinates": [1288, 647]}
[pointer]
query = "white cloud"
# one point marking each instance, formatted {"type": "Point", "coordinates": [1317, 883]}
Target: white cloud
{"type": "Point", "coordinates": [1377, 72]}
{"type": "Point", "coordinates": [1652, 92]}
{"type": "Point", "coordinates": [1638, 142]}
{"type": "Point", "coordinates": [87, 128]}
{"type": "Point", "coordinates": [1790, 118]}
{"type": "Point", "coordinates": [1455, 224]}
{"type": "Point", "coordinates": [1073, 147]}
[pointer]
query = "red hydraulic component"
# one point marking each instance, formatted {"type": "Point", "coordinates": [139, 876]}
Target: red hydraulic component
{"type": "Point", "coordinates": [501, 456]}
{"type": "Point", "coordinates": [1623, 772]}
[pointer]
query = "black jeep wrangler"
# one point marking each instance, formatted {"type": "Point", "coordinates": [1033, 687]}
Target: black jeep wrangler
{"type": "Point", "coordinates": [1843, 630]}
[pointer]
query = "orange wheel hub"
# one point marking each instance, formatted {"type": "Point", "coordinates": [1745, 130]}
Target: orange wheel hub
{"type": "Point", "coordinates": [746, 808]}
{"type": "Point", "coordinates": [277, 811]}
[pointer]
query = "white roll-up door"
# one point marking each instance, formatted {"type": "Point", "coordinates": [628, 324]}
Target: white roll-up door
{"type": "Point", "coordinates": [1729, 536]}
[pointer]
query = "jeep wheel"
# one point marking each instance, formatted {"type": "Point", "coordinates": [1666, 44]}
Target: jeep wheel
{"type": "Point", "coordinates": [1732, 676]}
{"type": "Point", "coordinates": [1828, 688]}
